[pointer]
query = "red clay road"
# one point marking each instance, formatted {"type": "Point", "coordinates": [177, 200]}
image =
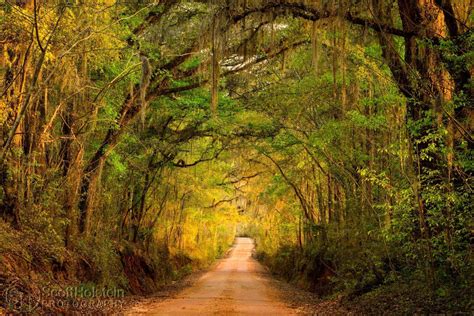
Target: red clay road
{"type": "Point", "coordinates": [237, 285]}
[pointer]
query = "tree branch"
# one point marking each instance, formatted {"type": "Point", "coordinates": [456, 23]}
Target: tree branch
{"type": "Point", "coordinates": [301, 10]}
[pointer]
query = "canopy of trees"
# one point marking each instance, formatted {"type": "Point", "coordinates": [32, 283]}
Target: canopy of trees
{"type": "Point", "coordinates": [139, 137]}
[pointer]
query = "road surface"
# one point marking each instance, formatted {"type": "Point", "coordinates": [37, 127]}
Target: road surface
{"type": "Point", "coordinates": [236, 286]}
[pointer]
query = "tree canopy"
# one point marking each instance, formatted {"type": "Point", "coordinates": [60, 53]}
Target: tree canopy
{"type": "Point", "coordinates": [140, 137]}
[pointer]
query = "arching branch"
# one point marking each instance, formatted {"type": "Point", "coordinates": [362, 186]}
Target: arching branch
{"type": "Point", "coordinates": [304, 11]}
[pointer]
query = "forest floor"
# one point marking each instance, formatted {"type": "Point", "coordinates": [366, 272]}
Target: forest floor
{"type": "Point", "coordinates": [237, 284]}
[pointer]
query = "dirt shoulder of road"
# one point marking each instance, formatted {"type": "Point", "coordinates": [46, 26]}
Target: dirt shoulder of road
{"type": "Point", "coordinates": [305, 302]}
{"type": "Point", "coordinates": [167, 291]}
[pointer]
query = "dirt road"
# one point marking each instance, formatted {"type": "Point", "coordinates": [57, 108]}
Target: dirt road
{"type": "Point", "coordinates": [236, 286]}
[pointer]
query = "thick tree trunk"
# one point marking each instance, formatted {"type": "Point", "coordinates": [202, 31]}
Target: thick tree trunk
{"type": "Point", "coordinates": [88, 185]}
{"type": "Point", "coordinates": [17, 64]}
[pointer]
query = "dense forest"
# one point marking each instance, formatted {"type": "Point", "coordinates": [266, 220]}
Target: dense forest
{"type": "Point", "coordinates": [138, 138]}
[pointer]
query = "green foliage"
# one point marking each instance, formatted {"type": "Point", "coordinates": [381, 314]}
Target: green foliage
{"type": "Point", "coordinates": [353, 176]}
